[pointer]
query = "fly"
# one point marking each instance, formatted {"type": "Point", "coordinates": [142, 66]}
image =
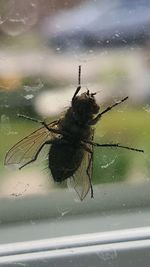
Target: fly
{"type": "Point", "coordinates": [71, 142]}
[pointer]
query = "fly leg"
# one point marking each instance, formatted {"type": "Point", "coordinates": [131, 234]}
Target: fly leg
{"type": "Point", "coordinates": [96, 119]}
{"type": "Point", "coordinates": [33, 119]}
{"type": "Point", "coordinates": [79, 85]}
{"type": "Point", "coordinates": [90, 154]}
{"type": "Point", "coordinates": [37, 153]}
{"type": "Point", "coordinates": [36, 120]}
{"type": "Point", "coordinates": [49, 142]}
{"type": "Point", "coordinates": [76, 92]}
{"type": "Point", "coordinates": [89, 167]}
{"type": "Point", "coordinates": [113, 145]}
{"type": "Point", "coordinates": [50, 129]}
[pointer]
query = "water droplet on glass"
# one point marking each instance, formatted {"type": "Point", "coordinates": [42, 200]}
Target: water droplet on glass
{"type": "Point", "coordinates": [17, 16]}
{"type": "Point", "coordinates": [28, 97]}
{"type": "Point", "coordinates": [58, 49]}
{"type": "Point", "coordinates": [147, 108]}
{"type": "Point", "coordinates": [108, 164]}
{"type": "Point", "coordinates": [117, 34]}
{"type": "Point", "coordinates": [107, 255]}
{"type": "Point", "coordinates": [39, 85]}
{"type": "Point", "coordinates": [63, 213]}
{"type": "Point", "coordinates": [5, 124]}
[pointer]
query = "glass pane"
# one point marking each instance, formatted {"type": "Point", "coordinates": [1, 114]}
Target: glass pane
{"type": "Point", "coordinates": [42, 45]}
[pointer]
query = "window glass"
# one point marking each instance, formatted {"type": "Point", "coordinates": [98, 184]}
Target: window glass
{"type": "Point", "coordinates": [42, 45]}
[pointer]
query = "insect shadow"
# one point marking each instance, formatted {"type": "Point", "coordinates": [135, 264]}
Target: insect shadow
{"type": "Point", "coordinates": [71, 142]}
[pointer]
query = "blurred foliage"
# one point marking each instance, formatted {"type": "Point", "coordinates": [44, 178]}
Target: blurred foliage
{"type": "Point", "coordinates": [112, 75]}
{"type": "Point", "coordinates": [21, 42]}
{"type": "Point", "coordinates": [110, 165]}
{"type": "Point", "coordinates": [131, 128]}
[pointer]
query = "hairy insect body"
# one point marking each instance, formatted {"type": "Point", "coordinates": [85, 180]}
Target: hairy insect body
{"type": "Point", "coordinates": [68, 153]}
{"type": "Point", "coordinates": [74, 127]}
{"type": "Point", "coordinates": [64, 160]}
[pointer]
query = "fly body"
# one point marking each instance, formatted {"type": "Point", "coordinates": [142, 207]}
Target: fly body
{"type": "Point", "coordinates": [67, 157]}
{"type": "Point", "coordinates": [71, 142]}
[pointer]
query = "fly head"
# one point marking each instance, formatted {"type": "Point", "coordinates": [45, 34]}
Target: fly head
{"type": "Point", "coordinates": [85, 107]}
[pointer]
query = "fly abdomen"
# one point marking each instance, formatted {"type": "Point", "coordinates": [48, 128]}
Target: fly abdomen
{"type": "Point", "coordinates": [64, 160]}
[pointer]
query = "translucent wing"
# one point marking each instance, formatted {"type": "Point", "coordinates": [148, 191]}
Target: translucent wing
{"type": "Point", "coordinates": [81, 180]}
{"type": "Point", "coordinates": [26, 149]}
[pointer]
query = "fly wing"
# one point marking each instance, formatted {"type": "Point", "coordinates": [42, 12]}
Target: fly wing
{"type": "Point", "coordinates": [26, 149]}
{"type": "Point", "coordinates": [81, 180]}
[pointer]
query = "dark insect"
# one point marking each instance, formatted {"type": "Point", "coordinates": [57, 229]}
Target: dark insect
{"type": "Point", "coordinates": [71, 142]}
